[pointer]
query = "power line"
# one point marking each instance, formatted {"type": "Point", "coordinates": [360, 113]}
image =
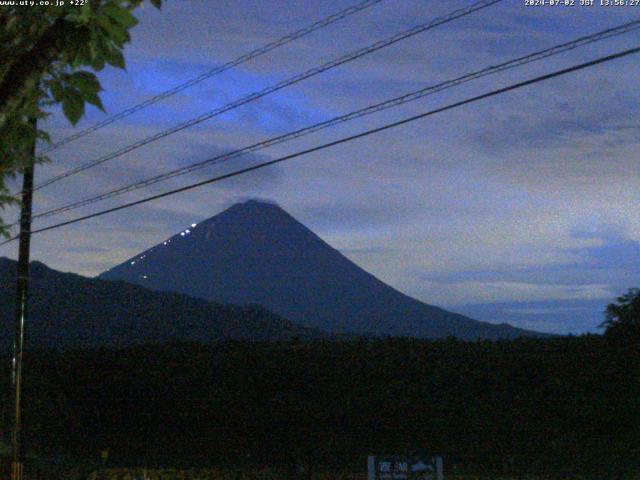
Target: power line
{"type": "Point", "coordinates": [350, 138]}
{"type": "Point", "coordinates": [459, 13]}
{"type": "Point", "coordinates": [325, 22]}
{"type": "Point", "coordinates": [536, 56]}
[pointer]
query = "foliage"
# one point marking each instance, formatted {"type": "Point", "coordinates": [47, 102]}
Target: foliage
{"type": "Point", "coordinates": [623, 318]}
{"type": "Point", "coordinates": [192, 474]}
{"type": "Point", "coordinates": [557, 408]}
{"type": "Point", "coordinates": [45, 52]}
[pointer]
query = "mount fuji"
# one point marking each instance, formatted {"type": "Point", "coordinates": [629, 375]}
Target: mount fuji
{"type": "Point", "coordinates": [256, 253]}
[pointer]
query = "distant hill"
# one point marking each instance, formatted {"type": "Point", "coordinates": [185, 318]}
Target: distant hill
{"type": "Point", "coordinates": [256, 253]}
{"type": "Point", "coordinates": [71, 311]}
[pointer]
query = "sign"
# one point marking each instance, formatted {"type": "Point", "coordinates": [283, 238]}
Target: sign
{"type": "Point", "coordinates": [404, 467]}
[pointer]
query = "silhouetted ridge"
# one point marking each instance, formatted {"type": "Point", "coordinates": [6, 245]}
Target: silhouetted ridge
{"type": "Point", "coordinates": [71, 311]}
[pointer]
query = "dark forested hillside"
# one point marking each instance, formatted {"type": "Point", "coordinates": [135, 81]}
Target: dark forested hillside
{"type": "Point", "coordinates": [70, 311]}
{"type": "Point", "coordinates": [561, 406]}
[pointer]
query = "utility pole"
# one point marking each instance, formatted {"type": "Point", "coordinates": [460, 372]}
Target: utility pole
{"type": "Point", "coordinates": [22, 287]}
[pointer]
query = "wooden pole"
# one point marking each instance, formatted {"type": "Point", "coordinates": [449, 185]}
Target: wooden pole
{"type": "Point", "coordinates": [22, 289]}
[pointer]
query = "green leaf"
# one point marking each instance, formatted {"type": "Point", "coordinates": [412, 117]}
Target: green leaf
{"type": "Point", "coordinates": [72, 105]}
{"type": "Point", "coordinates": [97, 57]}
{"type": "Point", "coordinates": [81, 45]}
{"type": "Point", "coordinates": [72, 17]}
{"type": "Point", "coordinates": [86, 82]}
{"type": "Point", "coordinates": [157, 4]}
{"type": "Point", "coordinates": [83, 57]}
{"type": "Point", "coordinates": [115, 31]}
{"type": "Point", "coordinates": [86, 12]}
{"type": "Point", "coordinates": [116, 58]}
{"type": "Point", "coordinates": [120, 15]}
{"type": "Point", "coordinates": [56, 90]}
{"type": "Point", "coordinates": [44, 136]}
{"type": "Point", "coordinates": [95, 100]}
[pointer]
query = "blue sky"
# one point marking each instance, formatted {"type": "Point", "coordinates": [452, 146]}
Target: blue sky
{"type": "Point", "coordinates": [522, 208]}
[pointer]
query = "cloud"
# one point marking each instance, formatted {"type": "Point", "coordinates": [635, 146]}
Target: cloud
{"type": "Point", "coordinates": [561, 294]}
{"type": "Point", "coordinates": [502, 291]}
{"type": "Point", "coordinates": [546, 310]}
{"type": "Point", "coordinates": [625, 254]}
{"type": "Point", "coordinates": [553, 316]}
{"type": "Point", "coordinates": [554, 123]}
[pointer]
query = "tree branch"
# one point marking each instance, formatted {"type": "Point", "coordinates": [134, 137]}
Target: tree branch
{"type": "Point", "coordinates": [27, 69]}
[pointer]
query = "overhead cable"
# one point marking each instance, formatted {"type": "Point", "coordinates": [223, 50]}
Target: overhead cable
{"type": "Point", "coordinates": [409, 97]}
{"type": "Point", "coordinates": [454, 15]}
{"type": "Point", "coordinates": [343, 140]}
{"type": "Point", "coordinates": [325, 22]}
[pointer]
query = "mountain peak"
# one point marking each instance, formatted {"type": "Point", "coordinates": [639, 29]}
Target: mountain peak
{"type": "Point", "coordinates": [255, 252]}
{"type": "Point", "coordinates": [254, 211]}
{"type": "Point", "coordinates": [258, 203]}
{"type": "Point", "coordinates": [255, 205]}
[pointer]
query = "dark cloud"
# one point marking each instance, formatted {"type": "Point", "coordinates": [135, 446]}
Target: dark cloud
{"type": "Point", "coordinates": [601, 107]}
{"type": "Point", "coordinates": [559, 316]}
{"type": "Point", "coordinates": [621, 254]}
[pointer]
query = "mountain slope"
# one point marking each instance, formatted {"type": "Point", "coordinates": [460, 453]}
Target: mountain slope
{"type": "Point", "coordinates": [256, 253]}
{"type": "Point", "coordinates": [69, 311]}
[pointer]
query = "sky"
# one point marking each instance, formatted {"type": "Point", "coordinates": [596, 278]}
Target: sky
{"type": "Point", "coordinates": [522, 208]}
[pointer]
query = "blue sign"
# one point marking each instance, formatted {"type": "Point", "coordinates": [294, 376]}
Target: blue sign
{"type": "Point", "coordinates": [404, 467]}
